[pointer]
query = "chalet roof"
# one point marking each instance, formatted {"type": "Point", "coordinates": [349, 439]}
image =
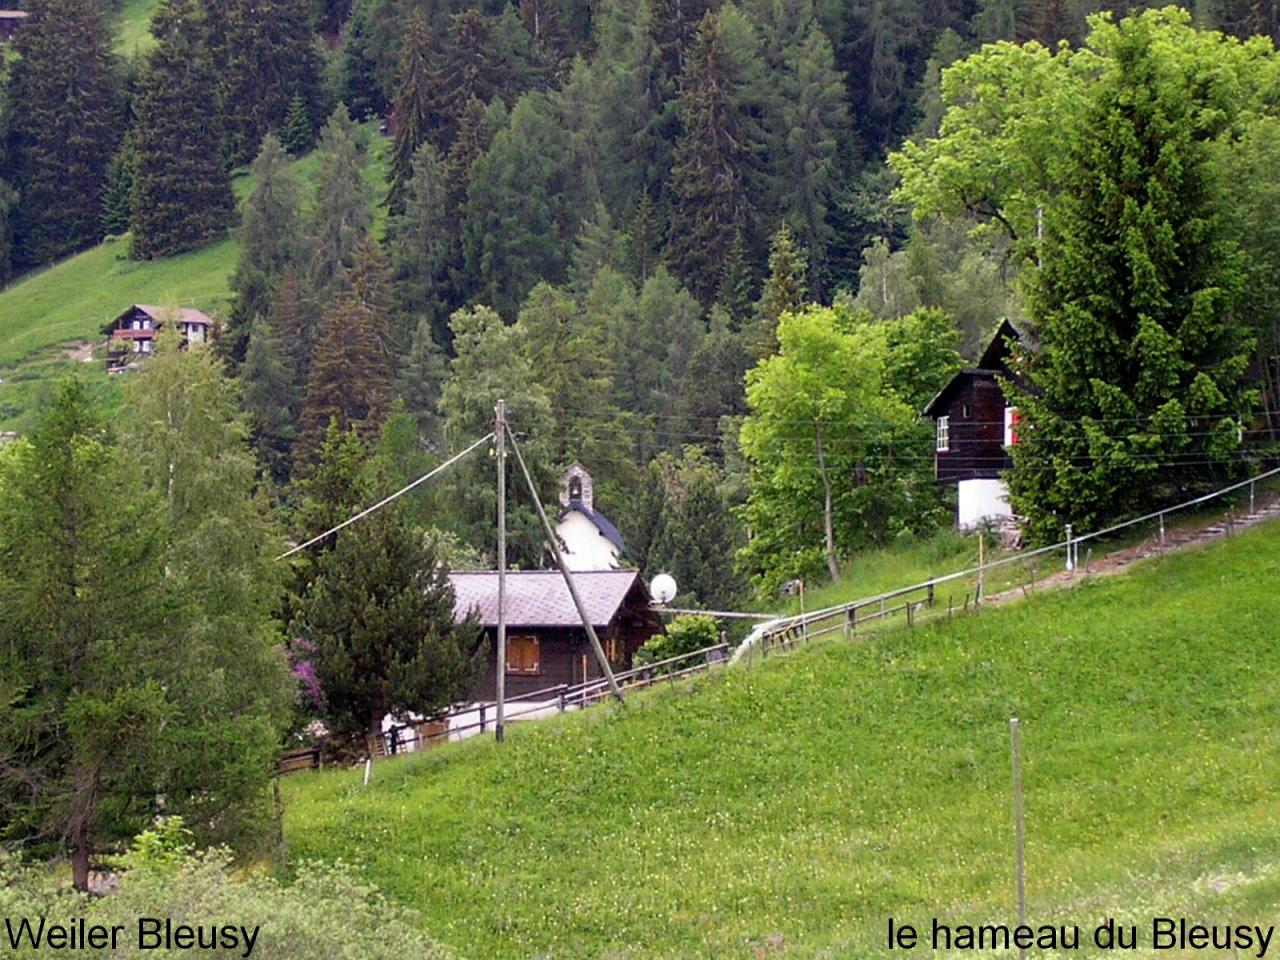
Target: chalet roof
{"type": "Point", "coordinates": [607, 529]}
{"type": "Point", "coordinates": [158, 315]}
{"type": "Point", "coordinates": [991, 364]}
{"type": "Point", "coordinates": [539, 598]}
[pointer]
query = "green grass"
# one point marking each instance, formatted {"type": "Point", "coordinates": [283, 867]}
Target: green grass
{"type": "Point", "coordinates": [70, 301]}
{"type": "Point", "coordinates": [133, 27]}
{"type": "Point", "coordinates": [793, 806]}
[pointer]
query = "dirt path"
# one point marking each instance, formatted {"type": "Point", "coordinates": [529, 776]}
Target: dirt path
{"type": "Point", "coordinates": [1266, 507]}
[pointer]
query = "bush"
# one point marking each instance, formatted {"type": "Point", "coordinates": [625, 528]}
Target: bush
{"type": "Point", "coordinates": [325, 913]}
{"type": "Point", "coordinates": [687, 633]}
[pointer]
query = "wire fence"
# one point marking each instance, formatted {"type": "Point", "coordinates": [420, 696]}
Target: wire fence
{"type": "Point", "coordinates": [1010, 573]}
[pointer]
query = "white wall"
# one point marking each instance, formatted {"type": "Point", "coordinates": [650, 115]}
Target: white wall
{"type": "Point", "coordinates": [586, 549]}
{"type": "Point", "coordinates": [982, 500]}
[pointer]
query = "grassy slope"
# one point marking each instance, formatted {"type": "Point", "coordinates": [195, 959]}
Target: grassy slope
{"type": "Point", "coordinates": [71, 300]}
{"type": "Point", "coordinates": [812, 796]}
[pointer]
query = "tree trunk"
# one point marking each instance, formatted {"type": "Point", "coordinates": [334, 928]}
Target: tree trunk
{"type": "Point", "coordinates": [828, 523]}
{"type": "Point", "coordinates": [80, 859]}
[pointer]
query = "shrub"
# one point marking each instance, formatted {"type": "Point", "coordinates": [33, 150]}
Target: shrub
{"type": "Point", "coordinates": [687, 633]}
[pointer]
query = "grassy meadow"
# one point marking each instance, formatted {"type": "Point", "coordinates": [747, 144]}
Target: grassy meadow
{"type": "Point", "coordinates": [48, 310]}
{"type": "Point", "coordinates": [789, 808]}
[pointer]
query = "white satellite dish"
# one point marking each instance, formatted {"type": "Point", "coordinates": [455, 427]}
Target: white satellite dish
{"type": "Point", "coordinates": [662, 588]}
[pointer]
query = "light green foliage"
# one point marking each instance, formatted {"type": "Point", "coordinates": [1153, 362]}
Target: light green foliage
{"type": "Point", "coordinates": [687, 633]}
{"type": "Point", "coordinates": [806, 798]}
{"type": "Point", "coordinates": [184, 431]}
{"type": "Point", "coordinates": [323, 907]}
{"type": "Point", "coordinates": [834, 442]}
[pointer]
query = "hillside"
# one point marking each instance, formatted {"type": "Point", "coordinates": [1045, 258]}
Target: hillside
{"type": "Point", "coordinates": [792, 807]}
{"type": "Point", "coordinates": [51, 310]}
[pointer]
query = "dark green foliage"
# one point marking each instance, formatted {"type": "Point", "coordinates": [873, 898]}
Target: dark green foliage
{"type": "Point", "coordinates": [270, 398]}
{"type": "Point", "coordinates": [712, 385]}
{"type": "Point", "coordinates": [342, 213]}
{"type": "Point", "coordinates": [350, 373]}
{"type": "Point", "coordinates": [65, 127]}
{"type": "Point", "coordinates": [425, 248]}
{"type": "Point", "coordinates": [715, 180]}
{"type": "Point", "coordinates": [786, 289]}
{"type": "Point", "coordinates": [272, 60]}
{"type": "Point", "coordinates": [360, 85]}
{"type": "Point", "coordinates": [181, 191]}
{"type": "Point", "coordinates": [380, 615]}
{"type": "Point", "coordinates": [270, 243]}
{"type": "Point", "coordinates": [419, 383]}
{"type": "Point", "coordinates": [117, 198]}
{"type": "Point", "coordinates": [736, 292]}
{"type": "Point", "coordinates": [521, 213]}
{"type": "Point", "coordinates": [1136, 383]}
{"type": "Point", "coordinates": [644, 239]}
{"type": "Point", "coordinates": [298, 132]}
{"type": "Point", "coordinates": [412, 110]}
{"type": "Point", "coordinates": [696, 535]}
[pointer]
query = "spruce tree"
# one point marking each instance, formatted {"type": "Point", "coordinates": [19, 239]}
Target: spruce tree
{"type": "Point", "coordinates": [349, 377]}
{"type": "Point", "coordinates": [715, 177]}
{"type": "Point", "coordinates": [270, 398]}
{"type": "Point", "coordinates": [342, 213]}
{"type": "Point", "coordinates": [269, 243]}
{"type": "Point", "coordinates": [67, 127]}
{"type": "Point", "coordinates": [380, 615]}
{"type": "Point", "coordinates": [294, 317]}
{"type": "Point", "coordinates": [644, 239]}
{"type": "Point", "coordinates": [736, 292]}
{"type": "Point", "coordinates": [412, 109]}
{"type": "Point", "coordinates": [786, 289]}
{"type": "Point", "coordinates": [272, 60]}
{"type": "Point", "coordinates": [467, 67]}
{"type": "Point", "coordinates": [117, 198]}
{"type": "Point", "coordinates": [298, 132]}
{"type": "Point", "coordinates": [181, 190]}
{"type": "Point", "coordinates": [425, 248]}
{"type": "Point", "coordinates": [419, 382]}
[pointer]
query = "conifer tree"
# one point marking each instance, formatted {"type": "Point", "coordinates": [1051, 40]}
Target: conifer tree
{"type": "Point", "coordinates": [270, 398]}
{"type": "Point", "coordinates": [181, 191]}
{"type": "Point", "coordinates": [467, 68]}
{"type": "Point", "coordinates": [412, 109]}
{"type": "Point", "coordinates": [294, 317]}
{"type": "Point", "coordinates": [736, 292]}
{"type": "Point", "coordinates": [298, 132]}
{"type": "Point", "coordinates": [785, 290]}
{"type": "Point", "coordinates": [67, 129]}
{"type": "Point", "coordinates": [118, 196]}
{"type": "Point", "coordinates": [342, 213]}
{"type": "Point", "coordinates": [380, 614]}
{"type": "Point", "coordinates": [272, 60]}
{"type": "Point", "coordinates": [597, 245]}
{"type": "Point", "coordinates": [420, 381]}
{"type": "Point", "coordinates": [717, 162]}
{"type": "Point", "coordinates": [8, 195]}
{"type": "Point", "coordinates": [349, 378]}
{"type": "Point", "coordinates": [359, 82]}
{"type": "Point", "coordinates": [644, 239]}
{"type": "Point", "coordinates": [425, 248]}
{"type": "Point", "coordinates": [269, 241]}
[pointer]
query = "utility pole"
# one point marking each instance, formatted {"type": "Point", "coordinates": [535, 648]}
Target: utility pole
{"type": "Point", "coordinates": [568, 578]}
{"type": "Point", "coordinates": [500, 672]}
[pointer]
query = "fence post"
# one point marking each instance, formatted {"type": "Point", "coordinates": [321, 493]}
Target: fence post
{"type": "Point", "coordinates": [1251, 505]}
{"type": "Point", "coordinates": [910, 616]}
{"type": "Point", "coordinates": [1162, 528]}
{"type": "Point", "coordinates": [1071, 564]}
{"type": "Point", "coordinates": [482, 718]}
{"type": "Point", "coordinates": [560, 698]}
{"type": "Point", "coordinates": [931, 592]}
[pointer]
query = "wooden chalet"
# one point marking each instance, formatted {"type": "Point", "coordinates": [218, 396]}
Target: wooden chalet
{"type": "Point", "coordinates": [974, 428]}
{"type": "Point", "coordinates": [10, 20]}
{"type": "Point", "coordinates": [546, 644]}
{"type": "Point", "coordinates": [132, 335]}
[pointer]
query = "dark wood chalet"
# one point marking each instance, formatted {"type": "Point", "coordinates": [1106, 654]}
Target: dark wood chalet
{"type": "Point", "coordinates": [546, 644]}
{"type": "Point", "coordinates": [132, 335]}
{"type": "Point", "coordinates": [974, 425]}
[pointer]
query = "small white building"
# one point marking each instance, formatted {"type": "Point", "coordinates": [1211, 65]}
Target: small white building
{"type": "Point", "coordinates": [590, 541]}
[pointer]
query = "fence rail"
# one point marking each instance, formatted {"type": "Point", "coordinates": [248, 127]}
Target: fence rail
{"type": "Point", "coordinates": [785, 632]}
{"type": "Point", "coordinates": [476, 718]}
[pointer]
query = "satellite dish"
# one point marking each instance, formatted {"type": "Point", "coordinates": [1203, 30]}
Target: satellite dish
{"type": "Point", "coordinates": [662, 588]}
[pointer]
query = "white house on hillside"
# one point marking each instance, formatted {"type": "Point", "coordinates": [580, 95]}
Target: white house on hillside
{"type": "Point", "coordinates": [590, 541]}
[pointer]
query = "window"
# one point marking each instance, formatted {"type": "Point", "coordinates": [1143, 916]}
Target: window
{"type": "Point", "coordinates": [1011, 421]}
{"type": "Point", "coordinates": [522, 655]}
{"type": "Point", "coordinates": [575, 488]}
{"type": "Point", "coordinates": [944, 434]}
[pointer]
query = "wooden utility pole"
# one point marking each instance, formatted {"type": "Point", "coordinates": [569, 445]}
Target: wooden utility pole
{"type": "Point", "coordinates": [1015, 745]}
{"type": "Point", "coordinates": [568, 578]}
{"type": "Point", "coordinates": [500, 670]}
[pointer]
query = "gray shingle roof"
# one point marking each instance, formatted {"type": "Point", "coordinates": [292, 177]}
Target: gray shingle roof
{"type": "Point", "coordinates": [539, 598]}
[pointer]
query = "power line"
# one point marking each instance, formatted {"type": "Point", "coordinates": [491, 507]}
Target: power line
{"type": "Point", "coordinates": [385, 500]}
